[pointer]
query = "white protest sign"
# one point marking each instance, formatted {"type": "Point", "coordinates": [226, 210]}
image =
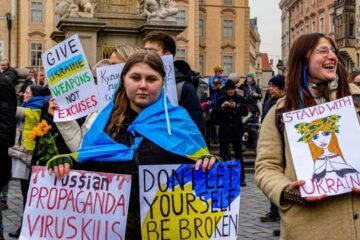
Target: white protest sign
{"type": "Point", "coordinates": [324, 143]}
{"type": "Point", "coordinates": [168, 61]}
{"type": "Point", "coordinates": [70, 80]}
{"type": "Point", "coordinates": [84, 205]}
{"type": "Point", "coordinates": [108, 78]}
{"type": "Point", "coordinates": [177, 202]}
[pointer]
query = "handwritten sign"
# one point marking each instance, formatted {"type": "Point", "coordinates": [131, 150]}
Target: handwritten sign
{"type": "Point", "coordinates": [84, 205]}
{"type": "Point", "coordinates": [324, 143]}
{"type": "Point", "coordinates": [168, 61]}
{"type": "Point", "coordinates": [177, 202]}
{"type": "Point", "coordinates": [108, 78]}
{"type": "Point", "coordinates": [70, 80]}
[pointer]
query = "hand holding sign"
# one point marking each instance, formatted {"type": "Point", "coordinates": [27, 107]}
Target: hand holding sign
{"type": "Point", "coordinates": [70, 80]}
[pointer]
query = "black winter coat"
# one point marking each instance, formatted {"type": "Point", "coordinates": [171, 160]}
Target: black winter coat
{"type": "Point", "coordinates": [188, 97]}
{"type": "Point", "coordinates": [8, 103]}
{"type": "Point", "coordinates": [12, 74]}
{"type": "Point", "coordinates": [229, 118]}
{"type": "Point", "coordinates": [147, 154]}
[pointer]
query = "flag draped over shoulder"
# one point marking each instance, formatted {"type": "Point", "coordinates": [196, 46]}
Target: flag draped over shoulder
{"type": "Point", "coordinates": [185, 139]}
{"type": "Point", "coordinates": [32, 112]}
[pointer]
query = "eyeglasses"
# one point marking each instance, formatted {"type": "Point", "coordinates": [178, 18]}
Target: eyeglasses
{"type": "Point", "coordinates": [325, 51]}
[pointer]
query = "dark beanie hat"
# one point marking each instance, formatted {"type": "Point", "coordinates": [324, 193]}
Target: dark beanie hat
{"type": "Point", "coordinates": [38, 90]}
{"type": "Point", "coordinates": [229, 85]}
{"type": "Point", "coordinates": [279, 81]}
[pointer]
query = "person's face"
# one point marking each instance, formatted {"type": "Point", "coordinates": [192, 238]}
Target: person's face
{"type": "Point", "coordinates": [27, 94]}
{"type": "Point", "coordinates": [322, 139]}
{"type": "Point", "coordinates": [4, 65]}
{"type": "Point", "coordinates": [322, 62]}
{"type": "Point", "coordinates": [357, 80]}
{"type": "Point", "coordinates": [156, 47]}
{"type": "Point", "coordinates": [274, 91]}
{"type": "Point", "coordinates": [230, 92]}
{"type": "Point", "coordinates": [31, 73]}
{"type": "Point", "coordinates": [219, 73]}
{"type": "Point", "coordinates": [142, 85]}
{"type": "Point", "coordinates": [41, 78]}
{"type": "Point", "coordinates": [249, 80]}
{"type": "Point", "coordinates": [115, 59]}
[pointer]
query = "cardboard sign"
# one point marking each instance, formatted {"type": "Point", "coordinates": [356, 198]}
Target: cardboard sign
{"type": "Point", "coordinates": [84, 205]}
{"type": "Point", "coordinates": [170, 86]}
{"type": "Point", "coordinates": [70, 80]}
{"type": "Point", "coordinates": [108, 78]}
{"type": "Point", "coordinates": [177, 202]}
{"type": "Point", "coordinates": [324, 143]}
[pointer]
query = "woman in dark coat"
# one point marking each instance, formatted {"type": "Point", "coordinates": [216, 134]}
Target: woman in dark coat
{"type": "Point", "coordinates": [141, 87]}
{"type": "Point", "coordinates": [230, 108]}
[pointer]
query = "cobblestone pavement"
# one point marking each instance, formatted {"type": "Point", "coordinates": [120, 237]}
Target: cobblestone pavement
{"type": "Point", "coordinates": [253, 205]}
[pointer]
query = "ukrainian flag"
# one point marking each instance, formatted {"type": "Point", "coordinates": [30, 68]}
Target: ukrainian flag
{"type": "Point", "coordinates": [183, 137]}
{"type": "Point", "coordinates": [32, 112]}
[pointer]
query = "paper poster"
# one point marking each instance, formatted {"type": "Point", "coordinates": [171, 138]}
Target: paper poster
{"type": "Point", "coordinates": [177, 202]}
{"type": "Point", "coordinates": [70, 80]}
{"type": "Point", "coordinates": [108, 78]}
{"type": "Point", "coordinates": [170, 79]}
{"type": "Point", "coordinates": [84, 205]}
{"type": "Point", "coordinates": [324, 143]}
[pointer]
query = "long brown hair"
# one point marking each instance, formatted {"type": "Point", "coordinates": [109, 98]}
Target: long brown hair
{"type": "Point", "coordinates": [298, 57]}
{"type": "Point", "coordinates": [122, 103]}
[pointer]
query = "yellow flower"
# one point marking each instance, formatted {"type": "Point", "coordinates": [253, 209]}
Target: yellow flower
{"type": "Point", "coordinates": [40, 130]}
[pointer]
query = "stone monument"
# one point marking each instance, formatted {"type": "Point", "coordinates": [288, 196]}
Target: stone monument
{"type": "Point", "coordinates": [109, 23]}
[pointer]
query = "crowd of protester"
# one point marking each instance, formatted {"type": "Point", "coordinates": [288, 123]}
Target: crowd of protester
{"type": "Point", "coordinates": [221, 115]}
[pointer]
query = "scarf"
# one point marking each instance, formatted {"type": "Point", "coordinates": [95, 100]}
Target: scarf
{"type": "Point", "coordinates": [183, 137]}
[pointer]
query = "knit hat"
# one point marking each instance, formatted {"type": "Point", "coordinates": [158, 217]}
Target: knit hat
{"type": "Point", "coordinates": [38, 90]}
{"type": "Point", "coordinates": [278, 80]}
{"type": "Point", "coordinates": [229, 85]}
{"type": "Point", "coordinates": [250, 74]}
{"type": "Point", "coordinates": [217, 68]}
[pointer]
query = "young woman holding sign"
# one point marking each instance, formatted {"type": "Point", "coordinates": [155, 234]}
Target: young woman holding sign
{"type": "Point", "coordinates": [314, 76]}
{"type": "Point", "coordinates": [139, 127]}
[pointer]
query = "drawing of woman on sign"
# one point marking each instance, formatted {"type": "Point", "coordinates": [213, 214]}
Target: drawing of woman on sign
{"type": "Point", "coordinates": [320, 134]}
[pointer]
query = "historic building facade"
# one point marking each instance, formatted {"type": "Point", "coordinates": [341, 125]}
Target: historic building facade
{"type": "Point", "coordinates": [217, 32]}
{"type": "Point", "coordinates": [345, 32]}
{"type": "Point", "coordinates": [304, 16]}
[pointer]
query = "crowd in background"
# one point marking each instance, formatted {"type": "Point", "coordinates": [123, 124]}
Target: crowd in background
{"type": "Point", "coordinates": [228, 112]}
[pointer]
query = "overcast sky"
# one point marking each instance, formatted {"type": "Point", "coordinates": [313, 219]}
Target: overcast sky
{"type": "Point", "coordinates": [268, 14]}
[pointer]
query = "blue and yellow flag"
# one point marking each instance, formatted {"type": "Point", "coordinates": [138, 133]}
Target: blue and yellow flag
{"type": "Point", "coordinates": [32, 112]}
{"type": "Point", "coordinates": [152, 123]}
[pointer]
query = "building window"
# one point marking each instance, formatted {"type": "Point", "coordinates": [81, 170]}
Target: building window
{"type": "Point", "coordinates": [202, 2]}
{"type": "Point", "coordinates": [181, 18]}
{"type": "Point", "coordinates": [331, 22]}
{"type": "Point", "coordinates": [321, 25]}
{"type": "Point", "coordinates": [351, 27]}
{"type": "Point", "coordinates": [36, 12]}
{"type": "Point", "coordinates": [57, 15]}
{"type": "Point", "coordinates": [1, 49]}
{"type": "Point", "coordinates": [228, 2]}
{"type": "Point", "coordinates": [181, 54]}
{"type": "Point", "coordinates": [201, 27]}
{"type": "Point", "coordinates": [201, 64]}
{"type": "Point", "coordinates": [36, 50]}
{"type": "Point", "coordinates": [228, 28]}
{"type": "Point", "coordinates": [228, 65]}
{"type": "Point", "coordinates": [313, 26]}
